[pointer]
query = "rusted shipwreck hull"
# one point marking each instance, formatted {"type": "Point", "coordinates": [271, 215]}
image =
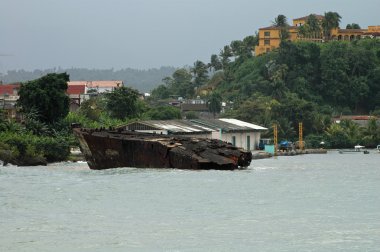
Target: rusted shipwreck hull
{"type": "Point", "coordinates": [105, 149]}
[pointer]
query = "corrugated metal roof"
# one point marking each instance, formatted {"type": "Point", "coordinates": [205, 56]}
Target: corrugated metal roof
{"type": "Point", "coordinates": [201, 125]}
{"type": "Point", "coordinates": [243, 124]}
{"type": "Point", "coordinates": [176, 126]}
{"type": "Point", "coordinates": [227, 124]}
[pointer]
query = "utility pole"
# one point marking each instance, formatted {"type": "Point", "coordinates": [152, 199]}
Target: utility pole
{"type": "Point", "coordinates": [275, 138]}
{"type": "Point", "coordinates": [300, 135]}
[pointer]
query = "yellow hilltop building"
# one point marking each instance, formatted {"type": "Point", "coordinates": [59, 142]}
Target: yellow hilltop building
{"type": "Point", "coordinates": [269, 37]}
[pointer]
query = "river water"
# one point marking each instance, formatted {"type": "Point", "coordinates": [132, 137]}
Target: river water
{"type": "Point", "coordinates": [323, 202]}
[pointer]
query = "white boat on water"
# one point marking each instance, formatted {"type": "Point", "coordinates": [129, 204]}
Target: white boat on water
{"type": "Point", "coordinates": [357, 149]}
{"type": "Point", "coordinates": [378, 148]}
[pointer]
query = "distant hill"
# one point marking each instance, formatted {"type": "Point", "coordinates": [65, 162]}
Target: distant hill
{"type": "Point", "coordinates": [142, 80]}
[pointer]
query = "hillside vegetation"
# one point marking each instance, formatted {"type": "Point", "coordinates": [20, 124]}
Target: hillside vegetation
{"type": "Point", "coordinates": [299, 82]}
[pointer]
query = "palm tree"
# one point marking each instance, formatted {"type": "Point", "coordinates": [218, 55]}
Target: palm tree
{"type": "Point", "coordinates": [330, 21]}
{"type": "Point", "coordinates": [215, 63]}
{"type": "Point", "coordinates": [314, 26]}
{"type": "Point", "coordinates": [214, 104]}
{"type": "Point", "coordinates": [280, 21]}
{"type": "Point", "coordinates": [200, 73]}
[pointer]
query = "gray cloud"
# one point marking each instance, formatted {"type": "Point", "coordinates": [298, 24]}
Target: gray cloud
{"type": "Point", "coordinates": [143, 33]}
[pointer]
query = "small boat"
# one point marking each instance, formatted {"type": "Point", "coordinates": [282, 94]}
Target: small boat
{"type": "Point", "coordinates": [378, 148]}
{"type": "Point", "coordinates": [357, 149]}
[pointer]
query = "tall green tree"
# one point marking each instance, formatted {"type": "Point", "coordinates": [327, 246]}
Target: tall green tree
{"type": "Point", "coordinates": [182, 84]}
{"type": "Point", "coordinates": [331, 21]}
{"type": "Point", "coordinates": [46, 97]}
{"type": "Point", "coordinates": [161, 92]}
{"type": "Point", "coordinates": [3, 122]}
{"type": "Point", "coordinates": [281, 22]}
{"type": "Point", "coordinates": [122, 103]}
{"type": "Point", "coordinates": [215, 63]}
{"type": "Point", "coordinates": [250, 42]}
{"type": "Point", "coordinates": [215, 104]}
{"type": "Point", "coordinates": [225, 55]}
{"type": "Point", "coordinates": [312, 27]}
{"type": "Point", "coordinates": [200, 73]}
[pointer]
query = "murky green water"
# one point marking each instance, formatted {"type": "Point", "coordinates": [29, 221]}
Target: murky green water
{"type": "Point", "coordinates": [305, 203]}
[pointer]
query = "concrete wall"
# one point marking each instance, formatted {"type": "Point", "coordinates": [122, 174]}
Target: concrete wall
{"type": "Point", "coordinates": [240, 138]}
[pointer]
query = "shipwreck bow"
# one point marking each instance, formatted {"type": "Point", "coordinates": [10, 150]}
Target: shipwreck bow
{"type": "Point", "coordinates": [105, 149]}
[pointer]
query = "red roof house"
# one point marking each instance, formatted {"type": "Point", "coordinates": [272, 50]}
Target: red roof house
{"type": "Point", "coordinates": [9, 89]}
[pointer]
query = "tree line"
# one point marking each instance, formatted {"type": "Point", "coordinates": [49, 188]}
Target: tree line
{"type": "Point", "coordinates": [142, 80]}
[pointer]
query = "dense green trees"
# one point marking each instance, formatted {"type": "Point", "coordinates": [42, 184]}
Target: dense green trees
{"type": "Point", "coordinates": [308, 82]}
{"type": "Point", "coordinates": [122, 102]}
{"type": "Point", "coordinates": [43, 136]}
{"type": "Point", "coordinates": [353, 26]}
{"type": "Point", "coordinates": [46, 97]}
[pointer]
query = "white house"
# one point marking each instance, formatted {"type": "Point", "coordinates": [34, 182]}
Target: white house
{"type": "Point", "coordinates": [239, 133]}
{"type": "Point", "coordinates": [97, 86]}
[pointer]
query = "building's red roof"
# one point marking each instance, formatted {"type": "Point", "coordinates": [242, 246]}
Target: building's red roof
{"type": "Point", "coordinates": [76, 89]}
{"type": "Point", "coordinates": [375, 34]}
{"type": "Point", "coordinates": [352, 30]}
{"type": "Point", "coordinates": [9, 89]}
{"type": "Point", "coordinates": [273, 27]}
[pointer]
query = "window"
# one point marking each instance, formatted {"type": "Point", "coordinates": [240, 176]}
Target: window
{"type": "Point", "coordinates": [266, 42]}
{"type": "Point", "coordinates": [233, 140]}
{"type": "Point", "coordinates": [248, 142]}
{"type": "Point", "coordinates": [267, 34]}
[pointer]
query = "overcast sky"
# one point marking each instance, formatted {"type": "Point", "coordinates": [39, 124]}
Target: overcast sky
{"type": "Point", "coordinates": [104, 34]}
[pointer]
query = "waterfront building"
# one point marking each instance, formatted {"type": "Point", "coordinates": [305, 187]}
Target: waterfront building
{"type": "Point", "coordinates": [97, 86]}
{"type": "Point", "coordinates": [8, 99]}
{"type": "Point", "coordinates": [239, 133]}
